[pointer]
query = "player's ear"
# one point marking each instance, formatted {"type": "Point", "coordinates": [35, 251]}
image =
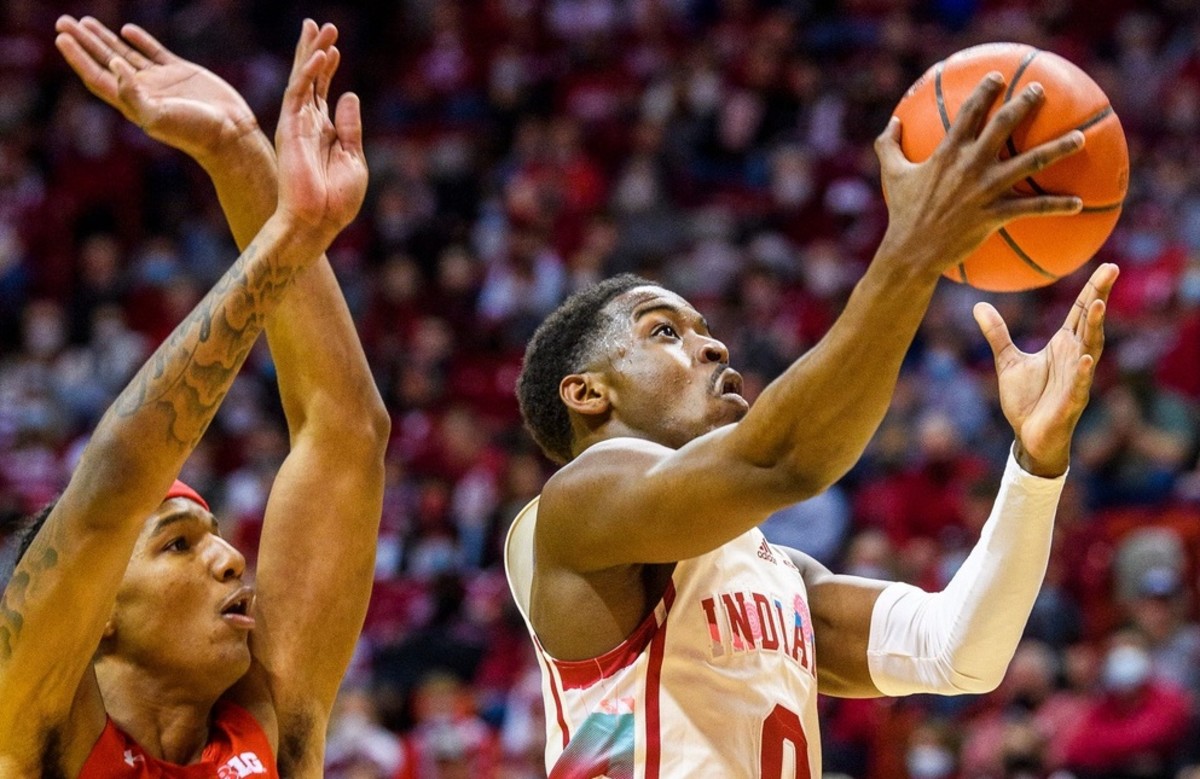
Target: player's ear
{"type": "Point", "coordinates": [109, 634]}
{"type": "Point", "coordinates": [584, 393]}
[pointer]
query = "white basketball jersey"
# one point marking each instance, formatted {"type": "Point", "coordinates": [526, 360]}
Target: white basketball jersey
{"type": "Point", "coordinates": [718, 681]}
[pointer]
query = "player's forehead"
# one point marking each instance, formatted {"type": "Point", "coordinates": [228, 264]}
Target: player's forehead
{"type": "Point", "coordinates": [635, 303]}
{"type": "Point", "coordinates": [174, 512]}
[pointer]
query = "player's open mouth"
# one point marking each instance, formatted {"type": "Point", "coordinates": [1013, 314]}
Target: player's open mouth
{"type": "Point", "coordinates": [237, 608]}
{"type": "Point", "coordinates": [729, 383]}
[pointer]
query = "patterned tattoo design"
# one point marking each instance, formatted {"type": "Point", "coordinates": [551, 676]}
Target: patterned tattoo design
{"type": "Point", "coordinates": [177, 391]}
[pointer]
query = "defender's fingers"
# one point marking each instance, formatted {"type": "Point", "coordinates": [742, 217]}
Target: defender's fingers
{"type": "Point", "coordinates": [118, 46]}
{"type": "Point", "coordinates": [99, 80]}
{"type": "Point", "coordinates": [304, 47]}
{"type": "Point", "coordinates": [147, 44]}
{"type": "Point", "coordinates": [302, 82]}
{"type": "Point", "coordinates": [326, 36]}
{"type": "Point", "coordinates": [312, 38]}
{"type": "Point", "coordinates": [87, 40]}
{"type": "Point", "coordinates": [1011, 114]}
{"type": "Point", "coordinates": [326, 75]}
{"type": "Point", "coordinates": [124, 74]}
{"type": "Point", "coordinates": [347, 120]}
{"type": "Point", "coordinates": [971, 116]}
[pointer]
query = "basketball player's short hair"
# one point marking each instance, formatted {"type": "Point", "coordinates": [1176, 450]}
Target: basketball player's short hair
{"type": "Point", "coordinates": [564, 344]}
{"type": "Point", "coordinates": [27, 530]}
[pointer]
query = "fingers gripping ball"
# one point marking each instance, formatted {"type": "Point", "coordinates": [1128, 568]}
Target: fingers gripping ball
{"type": "Point", "coordinates": [1031, 251]}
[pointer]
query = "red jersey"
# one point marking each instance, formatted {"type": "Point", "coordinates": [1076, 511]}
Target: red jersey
{"type": "Point", "coordinates": [237, 749]}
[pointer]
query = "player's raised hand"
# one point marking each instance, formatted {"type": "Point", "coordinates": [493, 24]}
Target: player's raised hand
{"type": "Point", "coordinates": [942, 209]}
{"type": "Point", "coordinates": [175, 101]}
{"type": "Point", "coordinates": [1043, 394]}
{"type": "Point", "coordinates": [322, 169]}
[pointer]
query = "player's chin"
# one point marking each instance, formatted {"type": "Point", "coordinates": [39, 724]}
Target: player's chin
{"type": "Point", "coordinates": [730, 408]}
{"type": "Point", "coordinates": [236, 658]}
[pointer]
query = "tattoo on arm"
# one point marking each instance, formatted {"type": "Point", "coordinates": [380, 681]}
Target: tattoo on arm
{"type": "Point", "coordinates": [41, 557]}
{"type": "Point", "coordinates": [177, 392]}
{"type": "Point", "coordinates": [188, 376]}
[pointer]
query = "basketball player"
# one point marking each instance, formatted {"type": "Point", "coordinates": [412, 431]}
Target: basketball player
{"type": "Point", "coordinates": [130, 645]}
{"type": "Point", "coordinates": [674, 640]}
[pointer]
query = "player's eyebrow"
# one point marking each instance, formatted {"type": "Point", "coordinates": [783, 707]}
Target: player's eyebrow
{"type": "Point", "coordinates": [662, 305]}
{"type": "Point", "coordinates": [181, 515]}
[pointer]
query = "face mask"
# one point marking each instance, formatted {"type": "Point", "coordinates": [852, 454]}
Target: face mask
{"type": "Point", "coordinates": [1125, 669]}
{"type": "Point", "coordinates": [929, 762]}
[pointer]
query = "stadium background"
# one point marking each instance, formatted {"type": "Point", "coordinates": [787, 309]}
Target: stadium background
{"type": "Point", "coordinates": [520, 149]}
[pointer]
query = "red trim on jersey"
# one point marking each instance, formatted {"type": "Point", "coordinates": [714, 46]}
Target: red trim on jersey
{"type": "Point", "coordinates": [581, 674]}
{"type": "Point", "coordinates": [545, 660]}
{"type": "Point", "coordinates": [653, 683]}
{"type": "Point", "coordinates": [237, 747]}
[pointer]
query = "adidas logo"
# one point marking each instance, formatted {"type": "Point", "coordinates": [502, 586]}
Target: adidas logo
{"type": "Point", "coordinates": [765, 553]}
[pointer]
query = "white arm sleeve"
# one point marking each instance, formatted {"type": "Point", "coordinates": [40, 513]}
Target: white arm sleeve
{"type": "Point", "coordinates": [961, 639]}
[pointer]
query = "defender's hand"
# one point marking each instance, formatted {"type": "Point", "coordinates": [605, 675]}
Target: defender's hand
{"type": "Point", "coordinates": [175, 101]}
{"type": "Point", "coordinates": [942, 209]}
{"type": "Point", "coordinates": [1043, 394]}
{"type": "Point", "coordinates": [322, 170]}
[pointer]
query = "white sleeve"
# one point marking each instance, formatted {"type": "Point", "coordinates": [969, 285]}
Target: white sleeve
{"type": "Point", "coordinates": [961, 639]}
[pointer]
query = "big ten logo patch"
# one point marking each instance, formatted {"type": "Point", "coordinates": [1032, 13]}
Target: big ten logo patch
{"type": "Point", "coordinates": [245, 764]}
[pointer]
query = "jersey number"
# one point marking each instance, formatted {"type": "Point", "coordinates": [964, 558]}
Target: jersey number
{"type": "Point", "coordinates": [781, 726]}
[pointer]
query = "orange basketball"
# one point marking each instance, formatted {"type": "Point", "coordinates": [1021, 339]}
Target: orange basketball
{"type": "Point", "coordinates": [1032, 251]}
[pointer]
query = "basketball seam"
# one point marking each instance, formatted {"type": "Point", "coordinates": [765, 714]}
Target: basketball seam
{"type": "Point", "coordinates": [1025, 258]}
{"type": "Point", "coordinates": [1096, 118]}
{"type": "Point", "coordinates": [939, 97]}
{"type": "Point", "coordinates": [1012, 86]}
{"type": "Point", "coordinates": [1020, 71]}
{"type": "Point", "coordinates": [1091, 121]}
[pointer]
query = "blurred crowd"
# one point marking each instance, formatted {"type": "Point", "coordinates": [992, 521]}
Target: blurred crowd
{"type": "Point", "coordinates": [521, 149]}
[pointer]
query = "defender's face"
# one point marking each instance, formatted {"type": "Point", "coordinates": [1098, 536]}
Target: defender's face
{"type": "Point", "coordinates": [669, 378]}
{"type": "Point", "coordinates": [182, 606]}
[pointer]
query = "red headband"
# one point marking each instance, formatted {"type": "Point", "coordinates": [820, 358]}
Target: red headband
{"type": "Point", "coordinates": [181, 490]}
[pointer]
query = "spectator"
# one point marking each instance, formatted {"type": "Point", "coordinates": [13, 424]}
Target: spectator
{"type": "Point", "coordinates": [1133, 443]}
{"type": "Point", "coordinates": [357, 746]}
{"type": "Point", "coordinates": [1134, 725]}
{"type": "Point", "coordinates": [1158, 613]}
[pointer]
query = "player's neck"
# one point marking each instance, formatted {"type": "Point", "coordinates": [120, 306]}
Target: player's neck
{"type": "Point", "coordinates": [168, 721]}
{"type": "Point", "coordinates": [611, 428]}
